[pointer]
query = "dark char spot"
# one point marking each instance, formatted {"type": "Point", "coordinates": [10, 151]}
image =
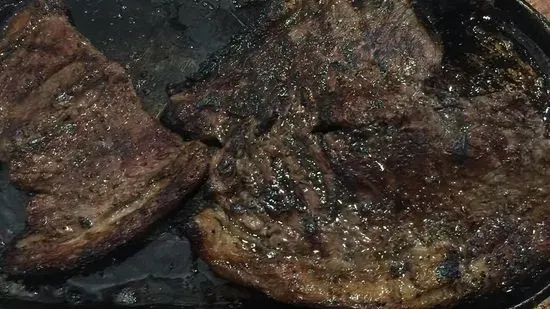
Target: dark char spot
{"type": "Point", "coordinates": [226, 166]}
{"type": "Point", "coordinates": [398, 268]}
{"type": "Point", "coordinates": [461, 150]}
{"type": "Point", "coordinates": [238, 208]}
{"type": "Point", "coordinates": [266, 123]}
{"type": "Point", "coordinates": [449, 269]}
{"type": "Point", "coordinates": [358, 4]}
{"type": "Point", "coordinates": [85, 223]}
{"type": "Point", "coordinates": [310, 226]}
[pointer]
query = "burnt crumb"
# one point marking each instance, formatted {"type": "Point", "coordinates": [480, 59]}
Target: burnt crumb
{"type": "Point", "coordinates": [310, 226]}
{"type": "Point", "coordinates": [85, 222]}
{"type": "Point", "coordinates": [238, 208]}
{"type": "Point", "coordinates": [449, 269]}
{"type": "Point", "coordinates": [399, 268]}
{"type": "Point", "coordinates": [306, 97]}
{"type": "Point", "coordinates": [74, 297]}
{"type": "Point", "coordinates": [461, 150]}
{"type": "Point", "coordinates": [400, 204]}
{"type": "Point", "coordinates": [325, 127]}
{"type": "Point", "coordinates": [226, 167]}
{"type": "Point", "coordinates": [358, 4]}
{"type": "Point", "coordinates": [266, 122]}
{"type": "Point", "coordinates": [280, 196]}
{"type": "Point", "coordinates": [366, 208]}
{"type": "Point", "coordinates": [448, 103]}
{"type": "Point", "coordinates": [276, 201]}
{"type": "Point", "coordinates": [271, 203]}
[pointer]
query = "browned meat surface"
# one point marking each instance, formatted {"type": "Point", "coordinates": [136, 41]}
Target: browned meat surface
{"type": "Point", "coordinates": [74, 135]}
{"type": "Point", "coordinates": [545, 304]}
{"type": "Point", "coordinates": [361, 169]}
{"type": "Point", "coordinates": [257, 84]}
{"type": "Point", "coordinates": [543, 6]}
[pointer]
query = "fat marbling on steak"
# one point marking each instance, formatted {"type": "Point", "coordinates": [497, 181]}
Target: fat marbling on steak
{"type": "Point", "coordinates": [73, 133]}
{"type": "Point", "coordinates": [361, 170]}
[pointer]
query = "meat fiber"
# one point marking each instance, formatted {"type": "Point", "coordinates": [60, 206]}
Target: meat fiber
{"type": "Point", "coordinates": [74, 135]}
{"type": "Point", "coordinates": [361, 168]}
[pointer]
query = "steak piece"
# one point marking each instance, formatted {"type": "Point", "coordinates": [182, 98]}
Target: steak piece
{"type": "Point", "coordinates": [362, 169]}
{"type": "Point", "coordinates": [254, 81]}
{"type": "Point", "coordinates": [74, 134]}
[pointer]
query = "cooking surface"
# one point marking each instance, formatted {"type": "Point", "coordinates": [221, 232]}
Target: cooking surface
{"type": "Point", "coordinates": [159, 42]}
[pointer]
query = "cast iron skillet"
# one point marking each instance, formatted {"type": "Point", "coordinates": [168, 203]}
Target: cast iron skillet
{"type": "Point", "coordinates": [162, 43]}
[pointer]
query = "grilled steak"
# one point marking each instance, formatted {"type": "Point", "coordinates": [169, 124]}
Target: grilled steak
{"type": "Point", "coordinates": [100, 170]}
{"type": "Point", "coordinates": [367, 163]}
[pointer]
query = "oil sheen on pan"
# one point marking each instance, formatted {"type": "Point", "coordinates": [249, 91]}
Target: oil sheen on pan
{"type": "Point", "coordinates": [368, 161]}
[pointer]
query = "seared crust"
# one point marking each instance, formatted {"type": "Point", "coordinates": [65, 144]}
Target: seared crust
{"type": "Point", "coordinates": [73, 132]}
{"type": "Point", "coordinates": [300, 281]}
{"type": "Point", "coordinates": [358, 172]}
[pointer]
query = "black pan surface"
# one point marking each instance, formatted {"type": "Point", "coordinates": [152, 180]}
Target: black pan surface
{"type": "Point", "coordinates": [162, 43]}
